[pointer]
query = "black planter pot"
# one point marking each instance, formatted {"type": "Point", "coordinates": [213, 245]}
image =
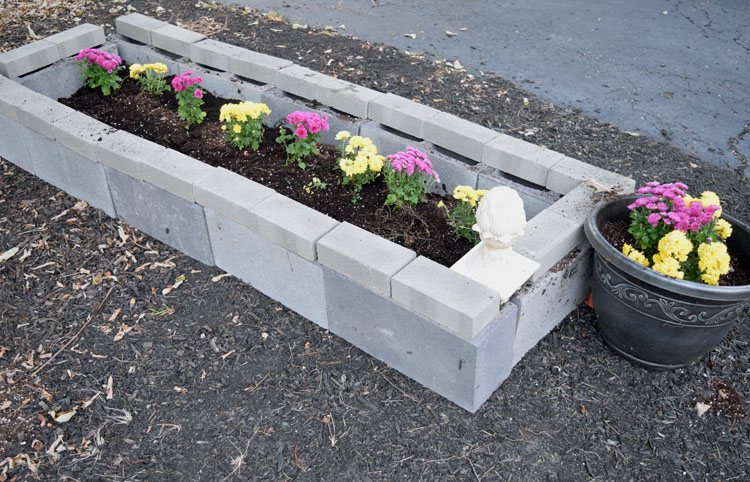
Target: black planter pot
{"type": "Point", "coordinates": [654, 320]}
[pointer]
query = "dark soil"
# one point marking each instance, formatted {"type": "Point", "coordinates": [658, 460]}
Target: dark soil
{"type": "Point", "coordinates": [423, 228]}
{"type": "Point", "coordinates": [214, 381]}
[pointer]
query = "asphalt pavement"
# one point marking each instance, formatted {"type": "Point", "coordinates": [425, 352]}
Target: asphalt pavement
{"type": "Point", "coordinates": [677, 71]}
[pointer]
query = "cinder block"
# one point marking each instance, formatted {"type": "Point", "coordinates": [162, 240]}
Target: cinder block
{"type": "Point", "coordinates": [299, 81]}
{"type": "Point", "coordinates": [217, 55]}
{"type": "Point", "coordinates": [168, 218]}
{"type": "Point", "coordinates": [38, 113]}
{"type": "Point", "coordinates": [452, 169]}
{"type": "Point", "coordinates": [547, 238]}
{"type": "Point", "coordinates": [387, 141]}
{"type": "Point", "coordinates": [123, 151]}
{"type": "Point", "coordinates": [175, 173]}
{"type": "Point", "coordinates": [363, 256]}
{"type": "Point", "coordinates": [577, 204]}
{"type": "Point", "coordinates": [458, 135]}
{"type": "Point", "coordinates": [13, 95]}
{"type": "Point", "coordinates": [520, 158]}
{"type": "Point", "coordinates": [13, 145]}
{"type": "Point", "coordinates": [568, 173]}
{"type": "Point", "coordinates": [175, 39]}
{"type": "Point", "coordinates": [401, 114]}
{"type": "Point", "coordinates": [292, 225]}
{"type": "Point", "coordinates": [68, 170]}
{"type": "Point", "coordinates": [465, 372]}
{"type": "Point", "coordinates": [28, 58]}
{"type": "Point", "coordinates": [446, 297]}
{"type": "Point", "coordinates": [81, 133]}
{"type": "Point", "coordinates": [60, 80]}
{"type": "Point", "coordinates": [258, 67]}
{"type": "Point", "coordinates": [132, 53]}
{"type": "Point", "coordinates": [231, 195]}
{"type": "Point", "coordinates": [347, 97]}
{"type": "Point", "coordinates": [72, 41]}
{"type": "Point", "coordinates": [535, 200]}
{"type": "Point", "coordinates": [544, 303]}
{"type": "Point", "coordinates": [289, 279]}
{"type": "Point", "coordinates": [138, 27]}
{"type": "Point", "coordinates": [223, 84]}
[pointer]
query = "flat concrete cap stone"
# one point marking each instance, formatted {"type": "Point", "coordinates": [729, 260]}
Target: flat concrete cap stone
{"type": "Point", "coordinates": [175, 39]}
{"type": "Point", "coordinates": [400, 114]}
{"type": "Point", "coordinates": [138, 27]}
{"type": "Point", "coordinates": [211, 53]}
{"type": "Point", "coordinates": [368, 259]}
{"type": "Point", "coordinates": [292, 225]}
{"type": "Point", "coordinates": [520, 158]}
{"type": "Point", "coordinates": [577, 204]}
{"type": "Point", "coordinates": [28, 58]}
{"type": "Point", "coordinates": [256, 66]}
{"type": "Point", "coordinates": [38, 113]}
{"type": "Point", "coordinates": [13, 95]}
{"type": "Point", "coordinates": [458, 135]}
{"type": "Point", "coordinates": [299, 81]}
{"type": "Point", "coordinates": [452, 300]}
{"type": "Point", "coordinates": [175, 173]}
{"type": "Point", "coordinates": [123, 151]}
{"type": "Point", "coordinates": [231, 195]}
{"type": "Point", "coordinates": [81, 133]}
{"type": "Point", "coordinates": [347, 97]}
{"type": "Point", "coordinates": [565, 175]}
{"type": "Point", "coordinates": [547, 238]}
{"type": "Point", "coordinates": [70, 42]}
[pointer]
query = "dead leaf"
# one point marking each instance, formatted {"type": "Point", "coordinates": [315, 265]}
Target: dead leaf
{"type": "Point", "coordinates": [97, 280]}
{"type": "Point", "coordinates": [62, 417]}
{"type": "Point", "coordinates": [634, 134]}
{"type": "Point", "coordinates": [8, 254]}
{"type": "Point", "coordinates": [108, 388]}
{"type": "Point", "coordinates": [113, 317]}
{"type": "Point", "coordinates": [218, 277]}
{"type": "Point", "coordinates": [180, 389]}
{"type": "Point", "coordinates": [702, 408]}
{"type": "Point", "coordinates": [6, 404]}
{"type": "Point", "coordinates": [450, 34]}
{"type": "Point", "coordinates": [227, 354]}
{"type": "Point", "coordinates": [122, 331]}
{"type": "Point", "coordinates": [410, 35]}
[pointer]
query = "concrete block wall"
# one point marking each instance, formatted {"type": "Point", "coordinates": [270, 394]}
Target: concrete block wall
{"type": "Point", "coordinates": [402, 316]}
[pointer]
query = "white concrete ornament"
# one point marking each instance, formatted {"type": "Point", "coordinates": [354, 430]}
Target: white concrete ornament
{"type": "Point", "coordinates": [492, 262]}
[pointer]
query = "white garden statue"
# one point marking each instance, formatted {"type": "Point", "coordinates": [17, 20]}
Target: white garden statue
{"type": "Point", "coordinates": [500, 220]}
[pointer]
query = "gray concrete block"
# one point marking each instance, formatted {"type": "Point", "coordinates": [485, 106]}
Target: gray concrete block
{"type": "Point", "coordinates": [168, 218]}
{"type": "Point", "coordinates": [28, 58]}
{"type": "Point", "coordinates": [363, 256]}
{"type": "Point", "coordinates": [458, 135]}
{"type": "Point", "coordinates": [577, 204]}
{"type": "Point", "coordinates": [289, 279]}
{"type": "Point", "coordinates": [124, 151]}
{"type": "Point", "coordinates": [453, 170]}
{"type": "Point", "coordinates": [258, 67]}
{"type": "Point", "coordinates": [13, 145]}
{"type": "Point", "coordinates": [346, 97]}
{"type": "Point", "coordinates": [299, 81]}
{"type": "Point", "coordinates": [223, 84]}
{"type": "Point", "coordinates": [465, 372]}
{"type": "Point", "coordinates": [132, 53]}
{"type": "Point", "coordinates": [566, 174]}
{"type": "Point", "coordinates": [72, 41]}
{"type": "Point", "coordinates": [520, 158]}
{"type": "Point", "coordinates": [214, 54]}
{"type": "Point", "coordinates": [545, 302]}
{"type": "Point", "coordinates": [138, 27]}
{"type": "Point", "coordinates": [39, 112]}
{"type": "Point", "coordinates": [292, 225]}
{"type": "Point", "coordinates": [231, 195]}
{"type": "Point", "coordinates": [535, 200]}
{"type": "Point", "coordinates": [387, 141]}
{"type": "Point", "coordinates": [60, 80]}
{"type": "Point", "coordinates": [81, 133]}
{"type": "Point", "coordinates": [68, 170]}
{"type": "Point", "coordinates": [12, 96]}
{"type": "Point", "coordinates": [401, 114]}
{"type": "Point", "coordinates": [175, 39]}
{"type": "Point", "coordinates": [446, 297]}
{"type": "Point", "coordinates": [175, 173]}
{"type": "Point", "coordinates": [547, 238]}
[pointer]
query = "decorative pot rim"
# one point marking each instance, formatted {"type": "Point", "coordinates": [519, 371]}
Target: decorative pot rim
{"type": "Point", "coordinates": [690, 288]}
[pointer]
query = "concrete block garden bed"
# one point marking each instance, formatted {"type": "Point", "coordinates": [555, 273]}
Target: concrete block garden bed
{"type": "Point", "coordinates": [449, 333]}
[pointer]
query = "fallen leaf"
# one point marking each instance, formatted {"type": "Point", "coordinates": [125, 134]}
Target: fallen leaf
{"type": "Point", "coordinates": [227, 354]}
{"type": "Point", "coordinates": [113, 317]}
{"type": "Point", "coordinates": [634, 134]}
{"type": "Point", "coordinates": [108, 388]}
{"type": "Point", "coordinates": [97, 280]}
{"type": "Point", "coordinates": [218, 277]}
{"type": "Point", "coordinates": [702, 408]}
{"type": "Point", "coordinates": [62, 417]}
{"type": "Point", "coordinates": [410, 35]}
{"type": "Point", "coordinates": [122, 331]}
{"type": "Point", "coordinates": [450, 34]}
{"type": "Point", "coordinates": [6, 404]}
{"type": "Point", "coordinates": [8, 254]}
{"type": "Point", "coordinates": [180, 389]}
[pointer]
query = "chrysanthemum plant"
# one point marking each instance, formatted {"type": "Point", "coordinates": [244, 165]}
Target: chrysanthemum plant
{"type": "Point", "coordinates": [463, 216]}
{"type": "Point", "coordinates": [150, 77]}
{"type": "Point", "coordinates": [679, 235]}
{"type": "Point", "coordinates": [189, 98]}
{"type": "Point", "coordinates": [99, 69]}
{"type": "Point", "coordinates": [305, 136]}
{"type": "Point", "coordinates": [244, 123]}
{"type": "Point", "coordinates": [408, 176]}
{"type": "Point", "coordinates": [359, 161]}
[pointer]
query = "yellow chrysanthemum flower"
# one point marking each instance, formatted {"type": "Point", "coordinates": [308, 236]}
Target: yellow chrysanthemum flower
{"type": "Point", "coordinates": [634, 254]}
{"type": "Point", "coordinates": [237, 129]}
{"type": "Point", "coordinates": [708, 198]}
{"type": "Point", "coordinates": [713, 259]}
{"type": "Point", "coordinates": [135, 70]}
{"type": "Point", "coordinates": [343, 135]}
{"type": "Point", "coordinates": [376, 163]}
{"type": "Point", "coordinates": [243, 111]}
{"type": "Point", "coordinates": [668, 266]}
{"type": "Point", "coordinates": [723, 228]}
{"type": "Point", "coordinates": [675, 245]}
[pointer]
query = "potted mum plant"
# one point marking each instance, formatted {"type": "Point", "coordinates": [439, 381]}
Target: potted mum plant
{"type": "Point", "coordinates": [670, 274]}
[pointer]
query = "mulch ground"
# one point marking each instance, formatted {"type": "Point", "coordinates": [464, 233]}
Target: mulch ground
{"type": "Point", "coordinates": [210, 380]}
